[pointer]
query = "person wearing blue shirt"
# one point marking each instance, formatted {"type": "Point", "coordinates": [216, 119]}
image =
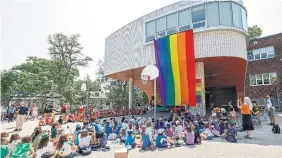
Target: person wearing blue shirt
{"type": "Point", "coordinates": [97, 127]}
{"type": "Point", "coordinates": [130, 140]}
{"type": "Point", "coordinates": [76, 134]}
{"type": "Point", "coordinates": [11, 111]}
{"type": "Point", "coordinates": [108, 128]}
{"type": "Point", "coordinates": [21, 114]}
{"type": "Point", "coordinates": [161, 139]}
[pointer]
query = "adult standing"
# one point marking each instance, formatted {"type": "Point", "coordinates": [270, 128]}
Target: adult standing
{"type": "Point", "coordinates": [246, 110]}
{"type": "Point", "coordinates": [11, 112]}
{"type": "Point", "coordinates": [271, 109]}
{"type": "Point", "coordinates": [21, 114]}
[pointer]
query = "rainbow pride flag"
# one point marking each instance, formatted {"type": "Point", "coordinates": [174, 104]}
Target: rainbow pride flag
{"type": "Point", "coordinates": [175, 59]}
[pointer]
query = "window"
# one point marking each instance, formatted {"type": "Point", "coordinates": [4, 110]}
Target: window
{"type": "Point", "coordinates": [250, 55]}
{"type": "Point", "coordinates": [150, 28]}
{"type": "Point", "coordinates": [171, 31]}
{"type": "Point", "coordinates": [261, 53]}
{"type": "Point", "coordinates": [213, 14]}
{"type": "Point", "coordinates": [184, 17]}
{"type": "Point", "coordinates": [198, 16]}
{"type": "Point", "coordinates": [252, 80]}
{"type": "Point", "coordinates": [160, 24]}
{"type": "Point", "coordinates": [225, 14]}
{"type": "Point", "coordinates": [184, 28]}
{"type": "Point", "coordinates": [171, 20]}
{"type": "Point", "coordinates": [237, 19]}
{"type": "Point", "coordinates": [244, 19]}
{"type": "Point", "coordinates": [263, 79]}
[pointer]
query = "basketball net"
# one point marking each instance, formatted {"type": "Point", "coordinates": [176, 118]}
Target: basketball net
{"type": "Point", "coordinates": [145, 78]}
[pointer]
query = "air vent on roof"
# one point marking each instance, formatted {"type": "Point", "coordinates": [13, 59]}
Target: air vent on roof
{"type": "Point", "coordinates": [255, 42]}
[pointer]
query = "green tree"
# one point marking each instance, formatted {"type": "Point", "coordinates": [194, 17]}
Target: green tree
{"type": "Point", "coordinates": [8, 85]}
{"type": "Point", "coordinates": [117, 91]}
{"type": "Point", "coordinates": [36, 76]}
{"type": "Point", "coordinates": [254, 32]}
{"type": "Point", "coordinates": [67, 54]}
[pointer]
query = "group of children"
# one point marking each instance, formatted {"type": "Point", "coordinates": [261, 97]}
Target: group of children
{"type": "Point", "coordinates": [177, 130]}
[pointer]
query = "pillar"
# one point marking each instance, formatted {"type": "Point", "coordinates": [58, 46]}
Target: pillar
{"type": "Point", "coordinates": [130, 93]}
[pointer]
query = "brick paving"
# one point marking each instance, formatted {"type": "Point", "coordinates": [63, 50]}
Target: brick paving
{"type": "Point", "coordinates": [264, 144]}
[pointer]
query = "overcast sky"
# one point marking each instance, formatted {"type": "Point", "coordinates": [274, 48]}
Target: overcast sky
{"type": "Point", "coordinates": [25, 24]}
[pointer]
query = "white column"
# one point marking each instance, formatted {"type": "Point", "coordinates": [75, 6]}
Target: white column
{"type": "Point", "coordinates": [130, 93]}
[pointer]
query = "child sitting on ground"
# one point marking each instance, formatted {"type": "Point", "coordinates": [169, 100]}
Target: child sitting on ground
{"type": "Point", "coordinates": [169, 131]}
{"type": "Point", "coordinates": [130, 140]}
{"type": "Point", "coordinates": [14, 141]}
{"type": "Point", "coordinates": [77, 131]}
{"type": "Point", "coordinates": [146, 142]}
{"type": "Point", "coordinates": [65, 146]}
{"type": "Point", "coordinates": [24, 149]}
{"type": "Point", "coordinates": [190, 135]}
{"type": "Point", "coordinates": [162, 141]}
{"type": "Point", "coordinates": [45, 147]}
{"type": "Point", "coordinates": [41, 122]}
{"type": "Point", "coordinates": [48, 120]}
{"type": "Point", "coordinates": [84, 142]}
{"type": "Point", "coordinates": [4, 145]}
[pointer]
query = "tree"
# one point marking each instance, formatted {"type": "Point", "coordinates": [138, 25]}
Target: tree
{"type": "Point", "coordinates": [66, 52]}
{"type": "Point", "coordinates": [36, 76]}
{"type": "Point", "coordinates": [254, 32]}
{"type": "Point", "coordinates": [117, 91]}
{"type": "Point", "coordinates": [8, 84]}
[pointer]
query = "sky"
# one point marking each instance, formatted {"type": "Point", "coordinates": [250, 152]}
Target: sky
{"type": "Point", "coordinates": [26, 24]}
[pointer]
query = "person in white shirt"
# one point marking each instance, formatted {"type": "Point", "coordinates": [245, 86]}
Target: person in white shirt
{"type": "Point", "coordinates": [84, 140]}
{"type": "Point", "coordinates": [45, 147]}
{"type": "Point", "coordinates": [270, 109]}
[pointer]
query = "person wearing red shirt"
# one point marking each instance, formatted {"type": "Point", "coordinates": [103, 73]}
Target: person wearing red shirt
{"type": "Point", "coordinates": [64, 109]}
{"type": "Point", "coordinates": [80, 109]}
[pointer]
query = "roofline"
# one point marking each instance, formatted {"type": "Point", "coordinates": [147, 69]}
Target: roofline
{"type": "Point", "coordinates": [265, 37]}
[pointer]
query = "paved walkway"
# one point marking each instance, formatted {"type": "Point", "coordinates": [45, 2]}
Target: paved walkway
{"type": "Point", "coordinates": [264, 144]}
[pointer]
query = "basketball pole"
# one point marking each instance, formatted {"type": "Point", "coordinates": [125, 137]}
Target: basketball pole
{"type": "Point", "coordinates": [155, 97]}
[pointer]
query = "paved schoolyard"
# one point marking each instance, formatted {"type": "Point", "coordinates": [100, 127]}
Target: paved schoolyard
{"type": "Point", "coordinates": [264, 144]}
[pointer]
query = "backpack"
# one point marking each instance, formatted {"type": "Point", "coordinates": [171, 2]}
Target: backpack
{"type": "Point", "coordinates": [21, 151]}
{"type": "Point", "coordinates": [276, 129]}
{"type": "Point", "coordinates": [231, 135]}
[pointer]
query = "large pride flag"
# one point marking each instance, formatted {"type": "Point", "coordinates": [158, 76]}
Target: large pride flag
{"type": "Point", "coordinates": [175, 59]}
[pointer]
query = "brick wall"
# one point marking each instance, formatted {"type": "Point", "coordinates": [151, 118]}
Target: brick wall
{"type": "Point", "coordinates": [265, 66]}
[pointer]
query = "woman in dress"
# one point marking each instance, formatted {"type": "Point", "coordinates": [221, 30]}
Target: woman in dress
{"type": "Point", "coordinates": [246, 110]}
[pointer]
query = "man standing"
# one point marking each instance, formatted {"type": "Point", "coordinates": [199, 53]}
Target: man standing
{"type": "Point", "coordinates": [11, 111]}
{"type": "Point", "coordinates": [271, 109]}
{"type": "Point", "coordinates": [21, 114]}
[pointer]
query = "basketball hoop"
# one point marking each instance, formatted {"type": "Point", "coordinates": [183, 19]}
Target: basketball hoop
{"type": "Point", "coordinates": [145, 78]}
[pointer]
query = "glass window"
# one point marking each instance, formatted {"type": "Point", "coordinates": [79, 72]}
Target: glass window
{"type": "Point", "coordinates": [270, 52]}
{"type": "Point", "coordinates": [171, 20]}
{"type": "Point", "coordinates": [171, 31]}
{"type": "Point", "coordinates": [184, 28]}
{"type": "Point", "coordinates": [256, 54]}
{"type": "Point", "coordinates": [225, 13]}
{"type": "Point", "coordinates": [161, 34]}
{"type": "Point", "coordinates": [250, 55]}
{"type": "Point", "coordinates": [160, 24]}
{"type": "Point", "coordinates": [184, 17]}
{"type": "Point", "coordinates": [213, 14]}
{"type": "Point", "coordinates": [150, 28]}
{"type": "Point", "coordinates": [259, 79]}
{"type": "Point", "coordinates": [244, 19]}
{"type": "Point", "coordinates": [150, 38]}
{"type": "Point", "coordinates": [266, 78]}
{"type": "Point", "coordinates": [252, 80]}
{"type": "Point", "coordinates": [273, 78]}
{"type": "Point", "coordinates": [237, 19]}
{"type": "Point", "coordinates": [198, 13]}
{"type": "Point", "coordinates": [199, 25]}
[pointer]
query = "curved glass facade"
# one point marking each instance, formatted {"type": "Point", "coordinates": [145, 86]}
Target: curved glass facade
{"type": "Point", "coordinates": [206, 15]}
